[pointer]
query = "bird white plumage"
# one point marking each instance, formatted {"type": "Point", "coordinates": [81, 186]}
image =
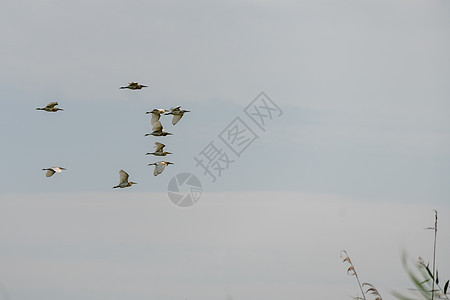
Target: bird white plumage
{"type": "Point", "coordinates": [53, 170]}
{"type": "Point", "coordinates": [160, 166]}
{"type": "Point", "coordinates": [158, 130]}
{"type": "Point", "coordinates": [159, 151]}
{"type": "Point", "coordinates": [123, 181]}
{"type": "Point", "coordinates": [177, 113]}
{"type": "Point", "coordinates": [156, 114]}
{"type": "Point", "coordinates": [159, 146]}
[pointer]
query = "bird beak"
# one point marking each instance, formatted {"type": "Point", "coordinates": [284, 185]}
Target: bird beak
{"type": "Point", "coordinates": [169, 153]}
{"type": "Point", "coordinates": [169, 133]}
{"type": "Point", "coordinates": [149, 112]}
{"type": "Point", "coordinates": [187, 111]}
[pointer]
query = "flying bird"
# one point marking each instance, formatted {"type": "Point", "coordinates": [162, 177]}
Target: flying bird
{"type": "Point", "coordinates": [51, 171]}
{"type": "Point", "coordinates": [159, 151]}
{"type": "Point", "coordinates": [158, 130]}
{"type": "Point", "coordinates": [124, 180]}
{"type": "Point", "coordinates": [133, 86]}
{"type": "Point", "coordinates": [156, 114]}
{"type": "Point", "coordinates": [177, 113]}
{"type": "Point", "coordinates": [160, 166]}
{"type": "Point", "coordinates": [50, 107]}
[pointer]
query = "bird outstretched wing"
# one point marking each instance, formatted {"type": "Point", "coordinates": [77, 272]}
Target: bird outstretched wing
{"type": "Point", "coordinates": [123, 176]}
{"type": "Point", "coordinates": [159, 146]}
{"type": "Point", "coordinates": [175, 109]}
{"type": "Point", "coordinates": [157, 126]}
{"type": "Point", "coordinates": [155, 118]}
{"type": "Point", "coordinates": [159, 168]}
{"type": "Point", "coordinates": [176, 118]}
{"type": "Point", "coordinates": [51, 104]}
{"type": "Point", "coordinates": [50, 172]}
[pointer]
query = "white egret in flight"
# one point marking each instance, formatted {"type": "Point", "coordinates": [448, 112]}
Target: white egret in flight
{"type": "Point", "coordinates": [124, 180]}
{"type": "Point", "coordinates": [133, 86]}
{"type": "Point", "coordinates": [160, 166]}
{"type": "Point", "coordinates": [156, 114]}
{"type": "Point", "coordinates": [159, 151]}
{"type": "Point", "coordinates": [51, 171]}
{"type": "Point", "coordinates": [50, 107]}
{"type": "Point", "coordinates": [157, 130]}
{"type": "Point", "coordinates": [177, 113]}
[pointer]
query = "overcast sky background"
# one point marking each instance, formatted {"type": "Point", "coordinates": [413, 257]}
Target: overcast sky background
{"type": "Point", "coordinates": [357, 161]}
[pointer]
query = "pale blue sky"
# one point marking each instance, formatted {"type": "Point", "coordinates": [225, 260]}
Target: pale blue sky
{"type": "Point", "coordinates": [364, 90]}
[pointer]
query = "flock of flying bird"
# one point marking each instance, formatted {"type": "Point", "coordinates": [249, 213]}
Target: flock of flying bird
{"type": "Point", "coordinates": [157, 130]}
